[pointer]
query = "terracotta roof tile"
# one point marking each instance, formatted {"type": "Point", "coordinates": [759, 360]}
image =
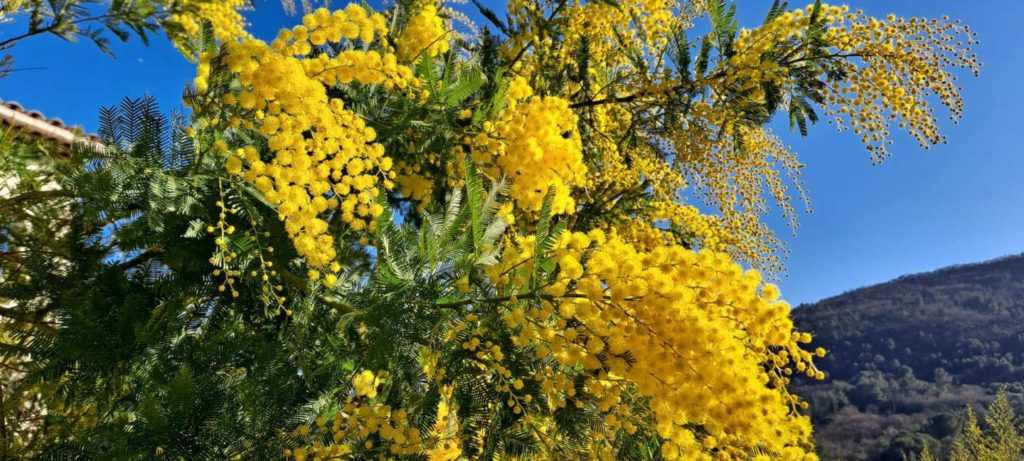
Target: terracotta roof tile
{"type": "Point", "coordinates": [15, 115]}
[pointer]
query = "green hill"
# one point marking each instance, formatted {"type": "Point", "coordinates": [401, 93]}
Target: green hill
{"type": "Point", "coordinates": [906, 356]}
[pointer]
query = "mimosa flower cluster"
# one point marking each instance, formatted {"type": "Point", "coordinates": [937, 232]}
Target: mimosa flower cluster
{"type": "Point", "coordinates": [904, 63]}
{"type": "Point", "coordinates": [424, 35]}
{"type": "Point", "coordinates": [535, 144]}
{"type": "Point", "coordinates": [364, 418]}
{"type": "Point", "coordinates": [621, 314]}
{"type": "Point", "coordinates": [185, 18]}
{"type": "Point", "coordinates": [741, 183]}
{"type": "Point", "coordinates": [899, 64]}
{"type": "Point", "coordinates": [324, 156]}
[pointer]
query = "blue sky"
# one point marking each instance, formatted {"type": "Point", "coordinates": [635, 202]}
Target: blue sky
{"type": "Point", "coordinates": [920, 210]}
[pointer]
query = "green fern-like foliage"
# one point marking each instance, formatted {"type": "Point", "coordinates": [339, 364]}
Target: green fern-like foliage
{"type": "Point", "coordinates": [142, 355]}
{"type": "Point", "coordinates": [33, 241]}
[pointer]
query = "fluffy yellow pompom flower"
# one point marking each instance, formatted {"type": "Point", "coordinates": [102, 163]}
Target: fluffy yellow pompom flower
{"type": "Point", "coordinates": [185, 18]}
{"type": "Point", "coordinates": [365, 384]}
{"type": "Point", "coordinates": [424, 35]}
{"type": "Point", "coordinates": [535, 144]}
{"type": "Point", "coordinates": [462, 284]}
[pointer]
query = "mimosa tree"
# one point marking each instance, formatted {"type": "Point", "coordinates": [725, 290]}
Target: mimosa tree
{"type": "Point", "coordinates": [380, 236]}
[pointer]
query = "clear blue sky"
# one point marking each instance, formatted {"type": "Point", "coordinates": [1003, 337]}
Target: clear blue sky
{"type": "Point", "coordinates": [921, 210]}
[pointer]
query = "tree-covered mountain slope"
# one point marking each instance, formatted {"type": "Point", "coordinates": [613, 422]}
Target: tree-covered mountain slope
{"type": "Point", "coordinates": [906, 356]}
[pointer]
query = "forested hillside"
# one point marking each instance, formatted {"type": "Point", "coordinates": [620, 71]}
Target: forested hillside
{"type": "Point", "coordinates": [906, 356]}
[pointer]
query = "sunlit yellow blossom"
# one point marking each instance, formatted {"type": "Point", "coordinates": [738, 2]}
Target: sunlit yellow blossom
{"type": "Point", "coordinates": [535, 144]}
{"type": "Point", "coordinates": [185, 18]}
{"type": "Point", "coordinates": [424, 34]}
{"type": "Point", "coordinates": [324, 156]}
{"type": "Point", "coordinates": [365, 384]}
